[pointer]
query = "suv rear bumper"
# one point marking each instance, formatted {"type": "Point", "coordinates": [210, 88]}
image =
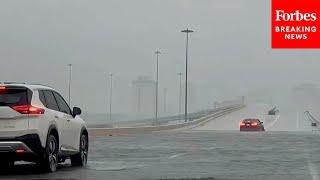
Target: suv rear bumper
{"type": "Point", "coordinates": [25, 147]}
{"type": "Point", "coordinates": [14, 146]}
{"type": "Point", "coordinates": [16, 133]}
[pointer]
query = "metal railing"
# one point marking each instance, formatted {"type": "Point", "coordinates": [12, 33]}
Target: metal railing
{"type": "Point", "coordinates": [314, 122]}
{"type": "Point", "coordinates": [102, 131]}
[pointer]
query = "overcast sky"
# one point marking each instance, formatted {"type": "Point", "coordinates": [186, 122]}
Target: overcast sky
{"type": "Point", "coordinates": [230, 52]}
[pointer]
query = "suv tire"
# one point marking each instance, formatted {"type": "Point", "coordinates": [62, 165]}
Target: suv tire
{"type": "Point", "coordinates": [50, 160]}
{"type": "Point", "coordinates": [81, 158]}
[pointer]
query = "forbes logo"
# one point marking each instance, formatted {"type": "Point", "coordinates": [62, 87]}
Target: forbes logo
{"type": "Point", "coordinates": [281, 15]}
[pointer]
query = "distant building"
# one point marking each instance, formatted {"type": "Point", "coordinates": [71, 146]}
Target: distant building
{"type": "Point", "coordinates": [143, 97]}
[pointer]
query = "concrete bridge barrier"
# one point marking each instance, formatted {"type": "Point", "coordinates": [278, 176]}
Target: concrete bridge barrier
{"type": "Point", "coordinates": [147, 129]}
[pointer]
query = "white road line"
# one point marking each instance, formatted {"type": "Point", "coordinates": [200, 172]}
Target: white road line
{"type": "Point", "coordinates": [176, 155]}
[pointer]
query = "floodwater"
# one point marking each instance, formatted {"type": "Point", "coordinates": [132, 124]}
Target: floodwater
{"type": "Point", "coordinates": [207, 154]}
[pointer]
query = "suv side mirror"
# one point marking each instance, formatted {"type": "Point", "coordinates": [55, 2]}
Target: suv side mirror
{"type": "Point", "coordinates": [76, 111]}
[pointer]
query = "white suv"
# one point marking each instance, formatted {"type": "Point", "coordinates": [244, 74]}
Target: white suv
{"type": "Point", "coordinates": [37, 125]}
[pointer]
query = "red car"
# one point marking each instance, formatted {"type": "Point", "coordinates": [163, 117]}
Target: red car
{"type": "Point", "coordinates": [251, 125]}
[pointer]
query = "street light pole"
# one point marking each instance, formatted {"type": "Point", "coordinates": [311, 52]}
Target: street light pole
{"type": "Point", "coordinates": [165, 100]}
{"type": "Point", "coordinates": [70, 73]}
{"type": "Point", "coordinates": [180, 93]}
{"type": "Point", "coordinates": [139, 101]}
{"type": "Point", "coordinates": [187, 31]}
{"type": "Point", "coordinates": [110, 98]}
{"type": "Point", "coordinates": [157, 85]}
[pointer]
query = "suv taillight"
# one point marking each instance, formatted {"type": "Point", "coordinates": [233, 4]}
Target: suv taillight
{"type": "Point", "coordinates": [3, 89]}
{"type": "Point", "coordinates": [28, 109]}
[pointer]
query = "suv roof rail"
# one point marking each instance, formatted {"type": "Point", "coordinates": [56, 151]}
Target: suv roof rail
{"type": "Point", "coordinates": [14, 83]}
{"type": "Point", "coordinates": [39, 84]}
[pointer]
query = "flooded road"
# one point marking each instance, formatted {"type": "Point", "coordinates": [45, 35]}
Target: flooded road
{"type": "Point", "coordinates": [194, 154]}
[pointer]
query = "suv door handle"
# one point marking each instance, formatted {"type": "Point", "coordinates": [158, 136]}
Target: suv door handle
{"type": "Point", "coordinates": [56, 116]}
{"type": "Point", "coordinates": [68, 120]}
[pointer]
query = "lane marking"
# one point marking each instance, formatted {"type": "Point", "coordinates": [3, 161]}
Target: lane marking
{"type": "Point", "coordinates": [176, 155]}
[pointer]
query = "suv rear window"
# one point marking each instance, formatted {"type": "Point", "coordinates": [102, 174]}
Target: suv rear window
{"type": "Point", "coordinates": [12, 96]}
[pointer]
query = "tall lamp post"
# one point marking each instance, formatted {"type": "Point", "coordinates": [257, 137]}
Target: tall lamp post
{"type": "Point", "coordinates": [157, 84]}
{"type": "Point", "coordinates": [180, 93]}
{"type": "Point", "coordinates": [187, 31]}
{"type": "Point", "coordinates": [69, 88]}
{"type": "Point", "coordinates": [110, 97]}
{"type": "Point", "coordinates": [165, 90]}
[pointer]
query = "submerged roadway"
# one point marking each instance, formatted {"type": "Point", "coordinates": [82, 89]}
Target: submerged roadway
{"type": "Point", "coordinates": [214, 150]}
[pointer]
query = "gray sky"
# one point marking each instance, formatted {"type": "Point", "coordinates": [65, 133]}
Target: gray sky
{"type": "Point", "coordinates": [230, 52]}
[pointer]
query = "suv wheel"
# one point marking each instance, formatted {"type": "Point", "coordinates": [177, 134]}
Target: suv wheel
{"type": "Point", "coordinates": [81, 158]}
{"type": "Point", "coordinates": [50, 160]}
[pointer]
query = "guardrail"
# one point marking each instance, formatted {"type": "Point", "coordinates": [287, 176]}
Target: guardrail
{"type": "Point", "coordinates": [163, 120]}
{"type": "Point", "coordinates": [143, 129]}
{"type": "Point", "coordinates": [313, 120]}
{"type": "Point", "coordinates": [273, 111]}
